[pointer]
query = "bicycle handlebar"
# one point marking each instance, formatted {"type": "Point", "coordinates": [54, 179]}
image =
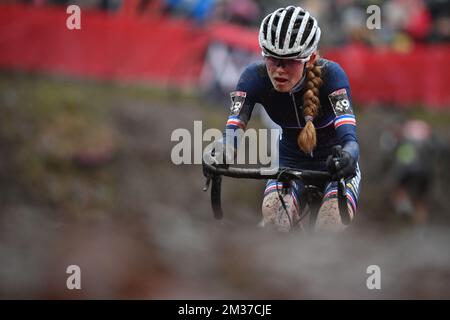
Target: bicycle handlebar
{"type": "Point", "coordinates": [215, 173]}
{"type": "Point", "coordinates": [258, 173]}
{"type": "Point", "coordinates": [261, 174]}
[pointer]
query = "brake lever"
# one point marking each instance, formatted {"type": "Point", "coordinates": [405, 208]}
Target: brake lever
{"type": "Point", "coordinates": [207, 183]}
{"type": "Point", "coordinates": [342, 187]}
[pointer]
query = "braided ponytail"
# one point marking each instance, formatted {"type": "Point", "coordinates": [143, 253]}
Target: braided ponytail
{"type": "Point", "coordinates": [307, 138]}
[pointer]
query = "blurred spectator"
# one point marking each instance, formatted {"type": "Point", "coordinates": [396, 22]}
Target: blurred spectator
{"type": "Point", "coordinates": [243, 12]}
{"type": "Point", "coordinates": [104, 4]}
{"type": "Point", "coordinates": [413, 153]}
{"type": "Point", "coordinates": [110, 5]}
{"type": "Point", "coordinates": [440, 13]}
{"type": "Point", "coordinates": [199, 10]}
{"type": "Point", "coordinates": [403, 22]}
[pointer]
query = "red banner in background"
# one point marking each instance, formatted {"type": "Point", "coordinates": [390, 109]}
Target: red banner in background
{"type": "Point", "coordinates": [108, 46]}
{"type": "Point", "coordinates": [172, 52]}
{"type": "Point", "coordinates": [383, 76]}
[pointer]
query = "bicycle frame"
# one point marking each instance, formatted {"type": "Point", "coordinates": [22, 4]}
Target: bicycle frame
{"type": "Point", "coordinates": [214, 177]}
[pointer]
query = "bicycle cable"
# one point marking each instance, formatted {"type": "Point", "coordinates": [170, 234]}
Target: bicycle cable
{"type": "Point", "coordinates": [282, 200]}
{"type": "Point", "coordinates": [301, 215]}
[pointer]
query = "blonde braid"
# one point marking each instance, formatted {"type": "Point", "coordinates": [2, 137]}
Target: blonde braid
{"type": "Point", "coordinates": [311, 103]}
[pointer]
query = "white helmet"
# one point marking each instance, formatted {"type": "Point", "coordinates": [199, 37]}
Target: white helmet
{"type": "Point", "coordinates": [289, 32]}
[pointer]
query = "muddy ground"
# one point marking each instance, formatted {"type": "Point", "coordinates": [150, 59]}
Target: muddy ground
{"type": "Point", "coordinates": [86, 179]}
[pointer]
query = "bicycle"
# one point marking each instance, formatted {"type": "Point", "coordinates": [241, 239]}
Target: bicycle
{"type": "Point", "coordinates": [311, 195]}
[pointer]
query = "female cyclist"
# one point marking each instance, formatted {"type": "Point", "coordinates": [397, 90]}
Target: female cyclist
{"type": "Point", "coordinates": [309, 98]}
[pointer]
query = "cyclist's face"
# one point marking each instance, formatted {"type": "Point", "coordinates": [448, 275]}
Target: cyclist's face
{"type": "Point", "coordinates": [284, 73]}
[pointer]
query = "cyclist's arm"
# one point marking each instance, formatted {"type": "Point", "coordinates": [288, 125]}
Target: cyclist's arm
{"type": "Point", "coordinates": [339, 97]}
{"type": "Point", "coordinates": [243, 100]}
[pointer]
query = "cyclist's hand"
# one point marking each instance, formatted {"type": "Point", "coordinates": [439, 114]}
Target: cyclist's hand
{"type": "Point", "coordinates": [341, 164]}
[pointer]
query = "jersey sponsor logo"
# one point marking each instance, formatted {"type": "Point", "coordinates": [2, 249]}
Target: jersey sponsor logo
{"type": "Point", "coordinates": [237, 101]}
{"type": "Point", "coordinates": [340, 102]}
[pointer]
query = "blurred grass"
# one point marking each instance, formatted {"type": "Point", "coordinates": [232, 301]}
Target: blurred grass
{"type": "Point", "coordinates": [47, 124]}
{"type": "Point", "coordinates": [60, 138]}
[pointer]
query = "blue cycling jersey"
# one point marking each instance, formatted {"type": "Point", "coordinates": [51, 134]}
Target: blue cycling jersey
{"type": "Point", "coordinates": [335, 123]}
